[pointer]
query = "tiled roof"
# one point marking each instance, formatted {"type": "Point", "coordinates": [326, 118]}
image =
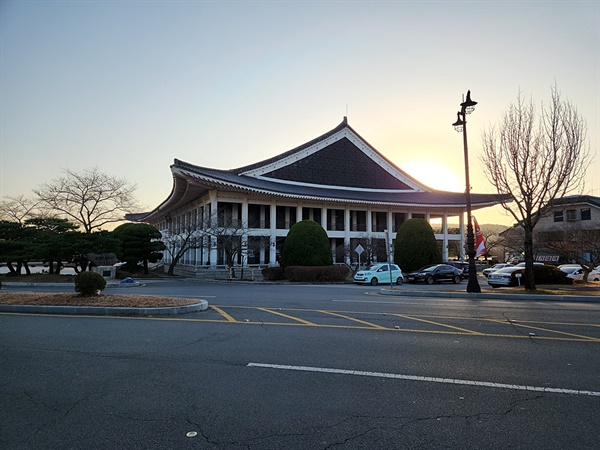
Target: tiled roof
{"type": "Point", "coordinates": [201, 175]}
{"type": "Point", "coordinates": [338, 166]}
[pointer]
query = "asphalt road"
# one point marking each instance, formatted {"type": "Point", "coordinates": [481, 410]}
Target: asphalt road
{"type": "Point", "coordinates": [305, 367]}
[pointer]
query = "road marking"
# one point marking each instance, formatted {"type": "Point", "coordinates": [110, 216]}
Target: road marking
{"type": "Point", "coordinates": [306, 322]}
{"type": "Point", "coordinates": [223, 313]}
{"type": "Point", "coordinates": [438, 324]}
{"type": "Point", "coordinates": [369, 324]}
{"type": "Point", "coordinates": [427, 379]}
{"type": "Point", "coordinates": [523, 325]}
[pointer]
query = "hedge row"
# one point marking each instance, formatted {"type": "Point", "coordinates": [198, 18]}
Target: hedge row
{"type": "Point", "coordinates": [306, 274]}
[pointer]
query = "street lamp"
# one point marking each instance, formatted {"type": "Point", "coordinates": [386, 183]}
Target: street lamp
{"type": "Point", "coordinates": [467, 107]}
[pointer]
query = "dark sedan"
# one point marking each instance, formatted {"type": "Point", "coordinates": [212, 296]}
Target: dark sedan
{"type": "Point", "coordinates": [436, 273]}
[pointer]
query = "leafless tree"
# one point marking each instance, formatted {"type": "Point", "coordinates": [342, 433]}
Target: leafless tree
{"type": "Point", "coordinates": [91, 199]}
{"type": "Point", "coordinates": [225, 233]}
{"type": "Point", "coordinates": [179, 240]}
{"type": "Point", "coordinates": [19, 209]}
{"type": "Point", "coordinates": [535, 159]}
{"type": "Point", "coordinates": [581, 246]}
{"type": "Point", "coordinates": [494, 241]}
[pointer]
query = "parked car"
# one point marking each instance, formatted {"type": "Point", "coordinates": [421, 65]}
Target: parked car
{"type": "Point", "coordinates": [577, 274]}
{"type": "Point", "coordinates": [462, 265]}
{"type": "Point", "coordinates": [535, 263]}
{"type": "Point", "coordinates": [495, 267]}
{"type": "Point", "coordinates": [379, 273]}
{"type": "Point", "coordinates": [436, 273]}
{"type": "Point", "coordinates": [503, 277]}
{"type": "Point", "coordinates": [569, 268]}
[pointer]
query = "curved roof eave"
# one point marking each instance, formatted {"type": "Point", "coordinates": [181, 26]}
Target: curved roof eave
{"type": "Point", "coordinates": [188, 186]}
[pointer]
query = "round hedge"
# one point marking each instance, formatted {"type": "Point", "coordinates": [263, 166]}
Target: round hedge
{"type": "Point", "coordinates": [306, 244]}
{"type": "Point", "coordinates": [89, 283]}
{"type": "Point", "coordinates": [415, 245]}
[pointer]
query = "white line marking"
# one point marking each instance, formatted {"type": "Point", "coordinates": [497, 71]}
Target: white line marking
{"type": "Point", "coordinates": [427, 379]}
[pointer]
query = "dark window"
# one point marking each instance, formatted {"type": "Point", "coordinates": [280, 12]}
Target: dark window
{"type": "Point", "coordinates": [571, 215]}
{"type": "Point", "coordinates": [586, 214]}
{"type": "Point", "coordinates": [558, 216]}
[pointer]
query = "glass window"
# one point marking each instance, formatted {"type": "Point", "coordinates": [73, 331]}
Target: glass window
{"type": "Point", "coordinates": [558, 216]}
{"type": "Point", "coordinates": [586, 214]}
{"type": "Point", "coordinates": [571, 214]}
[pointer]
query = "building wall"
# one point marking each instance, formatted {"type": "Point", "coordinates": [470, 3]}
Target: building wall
{"type": "Point", "coordinates": [566, 217]}
{"type": "Point", "coordinates": [263, 224]}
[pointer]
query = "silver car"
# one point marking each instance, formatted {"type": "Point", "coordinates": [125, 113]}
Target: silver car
{"type": "Point", "coordinates": [503, 277]}
{"type": "Point", "coordinates": [495, 267]}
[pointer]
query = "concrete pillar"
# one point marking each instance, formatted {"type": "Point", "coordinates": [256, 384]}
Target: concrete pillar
{"type": "Point", "coordinates": [213, 221]}
{"type": "Point", "coordinates": [347, 235]}
{"type": "Point", "coordinates": [461, 226]}
{"type": "Point", "coordinates": [273, 236]}
{"type": "Point", "coordinates": [445, 238]}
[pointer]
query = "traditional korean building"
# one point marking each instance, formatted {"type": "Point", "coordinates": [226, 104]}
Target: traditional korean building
{"type": "Point", "coordinates": [338, 180]}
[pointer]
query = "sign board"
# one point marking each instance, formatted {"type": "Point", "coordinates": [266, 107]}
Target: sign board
{"type": "Point", "coordinates": [359, 249]}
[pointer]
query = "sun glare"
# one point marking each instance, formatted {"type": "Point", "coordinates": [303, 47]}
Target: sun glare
{"type": "Point", "coordinates": [434, 176]}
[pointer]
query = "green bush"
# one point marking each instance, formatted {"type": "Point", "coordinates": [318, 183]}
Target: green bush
{"type": "Point", "coordinates": [316, 274]}
{"type": "Point", "coordinates": [306, 244]}
{"type": "Point", "coordinates": [545, 275]}
{"type": "Point", "coordinates": [272, 273]}
{"type": "Point", "coordinates": [415, 245]}
{"type": "Point", "coordinates": [89, 283]}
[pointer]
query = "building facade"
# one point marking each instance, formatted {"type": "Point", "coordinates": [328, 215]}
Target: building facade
{"type": "Point", "coordinates": [337, 180]}
{"type": "Point", "coordinates": [567, 229]}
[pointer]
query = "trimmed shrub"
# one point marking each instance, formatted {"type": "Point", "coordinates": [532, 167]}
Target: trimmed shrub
{"type": "Point", "coordinates": [272, 273]}
{"type": "Point", "coordinates": [89, 283]}
{"type": "Point", "coordinates": [306, 244]}
{"type": "Point", "coordinates": [415, 245]}
{"type": "Point", "coordinates": [545, 275]}
{"type": "Point", "coordinates": [316, 274]}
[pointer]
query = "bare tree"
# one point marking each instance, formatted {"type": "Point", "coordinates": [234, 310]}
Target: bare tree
{"type": "Point", "coordinates": [225, 233]}
{"type": "Point", "coordinates": [535, 160]}
{"type": "Point", "coordinates": [494, 241]}
{"type": "Point", "coordinates": [179, 240]}
{"type": "Point", "coordinates": [581, 246]}
{"type": "Point", "coordinates": [91, 199]}
{"type": "Point", "coordinates": [19, 209]}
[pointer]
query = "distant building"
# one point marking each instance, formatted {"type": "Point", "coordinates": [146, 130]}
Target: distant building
{"type": "Point", "coordinates": [563, 217]}
{"type": "Point", "coordinates": [337, 180]}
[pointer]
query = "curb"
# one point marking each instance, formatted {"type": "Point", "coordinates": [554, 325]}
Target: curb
{"type": "Point", "coordinates": [108, 285]}
{"type": "Point", "coordinates": [105, 310]}
{"type": "Point", "coordinates": [493, 296]}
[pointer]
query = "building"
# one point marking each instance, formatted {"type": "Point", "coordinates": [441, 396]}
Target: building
{"type": "Point", "coordinates": [567, 229]}
{"type": "Point", "coordinates": [337, 180]}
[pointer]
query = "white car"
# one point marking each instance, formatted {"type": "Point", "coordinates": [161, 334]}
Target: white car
{"type": "Point", "coordinates": [503, 277]}
{"type": "Point", "coordinates": [577, 275]}
{"type": "Point", "coordinates": [379, 273]}
{"type": "Point", "coordinates": [486, 272]}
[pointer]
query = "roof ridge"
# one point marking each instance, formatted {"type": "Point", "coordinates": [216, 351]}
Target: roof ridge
{"type": "Point", "coordinates": [341, 126]}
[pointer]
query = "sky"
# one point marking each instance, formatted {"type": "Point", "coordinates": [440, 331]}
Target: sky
{"type": "Point", "coordinates": [128, 86]}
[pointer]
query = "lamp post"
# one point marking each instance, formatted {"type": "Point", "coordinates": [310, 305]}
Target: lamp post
{"type": "Point", "coordinates": [467, 107]}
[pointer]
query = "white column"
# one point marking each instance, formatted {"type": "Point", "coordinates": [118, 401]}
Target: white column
{"type": "Point", "coordinates": [244, 227]}
{"type": "Point", "coordinates": [347, 235]}
{"type": "Point", "coordinates": [461, 227]}
{"type": "Point", "coordinates": [298, 213]}
{"type": "Point", "coordinates": [390, 235]}
{"type": "Point", "coordinates": [445, 238]}
{"type": "Point", "coordinates": [273, 235]}
{"type": "Point", "coordinates": [324, 218]}
{"type": "Point", "coordinates": [213, 220]}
